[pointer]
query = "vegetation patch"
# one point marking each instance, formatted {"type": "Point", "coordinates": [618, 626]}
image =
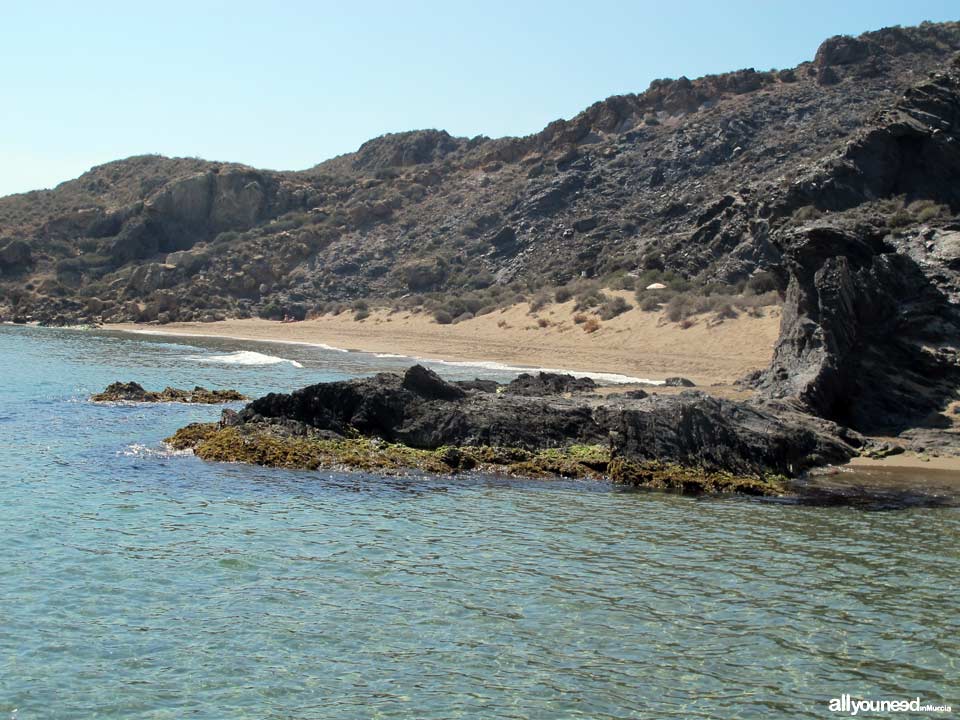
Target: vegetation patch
{"type": "Point", "coordinates": [691, 480]}
{"type": "Point", "coordinates": [263, 446]}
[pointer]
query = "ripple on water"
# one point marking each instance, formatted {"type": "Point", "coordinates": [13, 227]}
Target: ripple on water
{"type": "Point", "coordinates": [139, 583]}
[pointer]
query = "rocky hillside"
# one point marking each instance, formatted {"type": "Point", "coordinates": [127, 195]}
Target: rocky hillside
{"type": "Point", "coordinates": [693, 177]}
{"type": "Point", "coordinates": [837, 180]}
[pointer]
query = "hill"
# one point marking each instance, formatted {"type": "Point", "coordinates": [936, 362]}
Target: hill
{"type": "Point", "coordinates": [834, 182]}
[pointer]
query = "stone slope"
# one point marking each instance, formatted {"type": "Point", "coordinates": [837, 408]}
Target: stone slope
{"type": "Point", "coordinates": [676, 177]}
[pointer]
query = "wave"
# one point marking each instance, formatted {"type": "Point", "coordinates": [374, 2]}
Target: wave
{"type": "Point", "coordinates": [602, 377]}
{"type": "Point", "coordinates": [145, 451]}
{"type": "Point", "coordinates": [243, 357]}
{"type": "Point", "coordinates": [241, 338]}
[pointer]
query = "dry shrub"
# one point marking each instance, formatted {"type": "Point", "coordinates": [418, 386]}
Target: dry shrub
{"type": "Point", "coordinates": [539, 301]}
{"type": "Point", "coordinates": [685, 305]}
{"type": "Point", "coordinates": [543, 322]}
{"type": "Point", "coordinates": [591, 325]}
{"type": "Point", "coordinates": [613, 307]}
{"type": "Point", "coordinates": [650, 303]}
{"type": "Point", "coordinates": [579, 318]}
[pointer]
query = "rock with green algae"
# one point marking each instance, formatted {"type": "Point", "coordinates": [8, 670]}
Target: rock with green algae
{"type": "Point", "coordinates": [263, 444]}
{"type": "Point", "coordinates": [134, 392]}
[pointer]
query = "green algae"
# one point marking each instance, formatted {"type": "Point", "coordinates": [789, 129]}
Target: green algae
{"type": "Point", "coordinates": [263, 446]}
{"type": "Point", "coordinates": [191, 435]}
{"type": "Point", "coordinates": [134, 392]}
{"type": "Point", "coordinates": [691, 480]}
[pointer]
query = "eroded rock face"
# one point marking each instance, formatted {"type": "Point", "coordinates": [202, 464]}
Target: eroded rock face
{"type": "Point", "coordinates": [866, 338]}
{"type": "Point", "coordinates": [696, 430]}
{"type": "Point", "coordinates": [871, 331]}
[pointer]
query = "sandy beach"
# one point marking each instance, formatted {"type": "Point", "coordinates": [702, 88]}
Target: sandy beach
{"type": "Point", "coordinates": [637, 344]}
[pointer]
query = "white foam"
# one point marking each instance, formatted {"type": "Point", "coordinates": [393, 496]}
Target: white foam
{"type": "Point", "coordinates": [218, 336]}
{"type": "Point", "coordinates": [243, 357]}
{"type": "Point", "coordinates": [602, 377]}
{"type": "Point", "coordinates": [611, 378]}
{"type": "Point", "coordinates": [144, 451]}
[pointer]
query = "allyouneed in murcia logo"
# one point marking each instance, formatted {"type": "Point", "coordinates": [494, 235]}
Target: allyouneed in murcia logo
{"type": "Point", "coordinates": [846, 704]}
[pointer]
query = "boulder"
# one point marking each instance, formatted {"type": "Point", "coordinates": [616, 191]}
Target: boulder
{"type": "Point", "coordinates": [585, 224]}
{"type": "Point", "coordinates": [426, 383]}
{"type": "Point", "coordinates": [188, 260]}
{"type": "Point", "coordinates": [505, 238]}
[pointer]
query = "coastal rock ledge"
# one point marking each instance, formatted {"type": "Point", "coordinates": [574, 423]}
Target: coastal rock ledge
{"type": "Point", "coordinates": [134, 392]}
{"type": "Point", "coordinates": [689, 442]}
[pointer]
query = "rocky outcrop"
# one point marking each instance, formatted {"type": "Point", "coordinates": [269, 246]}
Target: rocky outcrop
{"type": "Point", "coordinates": [422, 411]}
{"type": "Point", "coordinates": [871, 331]}
{"type": "Point", "coordinates": [134, 392]}
{"type": "Point", "coordinates": [545, 383]}
{"type": "Point", "coordinates": [418, 147]}
{"type": "Point", "coordinates": [15, 257]}
{"type": "Point", "coordinates": [866, 338]}
{"type": "Point", "coordinates": [696, 430]}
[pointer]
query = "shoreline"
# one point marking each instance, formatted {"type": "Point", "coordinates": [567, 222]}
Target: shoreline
{"type": "Point", "coordinates": [636, 347]}
{"type": "Point", "coordinates": [600, 376]}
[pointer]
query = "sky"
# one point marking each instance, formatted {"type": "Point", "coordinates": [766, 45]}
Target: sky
{"type": "Point", "coordinates": [285, 85]}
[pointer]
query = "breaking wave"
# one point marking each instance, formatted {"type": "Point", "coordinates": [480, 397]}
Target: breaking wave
{"type": "Point", "coordinates": [244, 357]}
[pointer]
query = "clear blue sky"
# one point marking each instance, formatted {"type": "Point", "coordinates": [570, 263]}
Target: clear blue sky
{"type": "Point", "coordinates": [285, 85]}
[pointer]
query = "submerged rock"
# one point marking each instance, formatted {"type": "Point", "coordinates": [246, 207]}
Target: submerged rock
{"type": "Point", "coordinates": [134, 392]}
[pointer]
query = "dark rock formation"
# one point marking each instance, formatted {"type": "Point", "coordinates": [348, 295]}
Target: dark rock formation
{"type": "Point", "coordinates": [16, 255]}
{"type": "Point", "coordinates": [679, 382]}
{"type": "Point", "coordinates": [871, 330]}
{"type": "Point", "coordinates": [544, 383]}
{"type": "Point", "coordinates": [427, 384]}
{"type": "Point", "coordinates": [690, 429]}
{"type": "Point", "coordinates": [423, 411]}
{"type": "Point", "coordinates": [694, 429]}
{"type": "Point", "coordinates": [134, 392]}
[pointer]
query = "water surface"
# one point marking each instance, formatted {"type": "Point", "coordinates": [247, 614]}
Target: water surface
{"type": "Point", "coordinates": [137, 583]}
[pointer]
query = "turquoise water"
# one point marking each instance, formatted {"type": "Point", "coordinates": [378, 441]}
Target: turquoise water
{"type": "Point", "coordinates": [140, 584]}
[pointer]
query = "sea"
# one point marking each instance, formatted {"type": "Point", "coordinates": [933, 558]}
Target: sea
{"type": "Point", "coordinates": [137, 582]}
